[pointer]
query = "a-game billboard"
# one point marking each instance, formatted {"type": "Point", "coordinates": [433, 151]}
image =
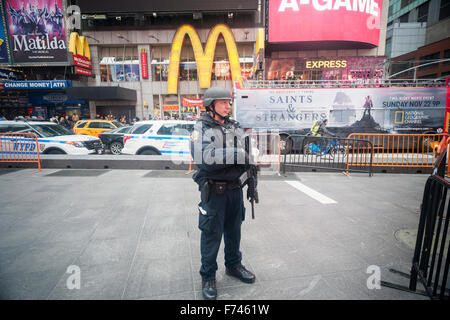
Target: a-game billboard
{"type": "Point", "coordinates": [324, 20]}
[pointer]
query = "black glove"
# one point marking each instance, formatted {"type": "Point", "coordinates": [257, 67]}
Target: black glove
{"type": "Point", "coordinates": [247, 158]}
{"type": "Point", "coordinates": [249, 193]}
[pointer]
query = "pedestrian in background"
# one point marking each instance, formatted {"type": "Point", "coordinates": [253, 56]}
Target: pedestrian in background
{"type": "Point", "coordinates": [75, 118]}
{"type": "Point", "coordinates": [63, 121]}
{"type": "Point", "coordinates": [69, 122]}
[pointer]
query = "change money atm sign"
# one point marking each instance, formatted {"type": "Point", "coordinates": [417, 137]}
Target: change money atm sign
{"type": "Point", "coordinates": [325, 20]}
{"type": "Point", "coordinates": [79, 47]}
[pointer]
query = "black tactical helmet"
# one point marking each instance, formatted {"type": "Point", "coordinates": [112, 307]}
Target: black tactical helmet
{"type": "Point", "coordinates": [215, 93]}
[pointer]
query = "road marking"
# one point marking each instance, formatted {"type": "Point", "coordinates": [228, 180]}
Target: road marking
{"type": "Point", "coordinates": [311, 192]}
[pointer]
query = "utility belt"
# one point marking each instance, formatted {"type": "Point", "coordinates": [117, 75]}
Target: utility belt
{"type": "Point", "coordinates": [224, 185]}
{"type": "Point", "coordinates": [219, 187]}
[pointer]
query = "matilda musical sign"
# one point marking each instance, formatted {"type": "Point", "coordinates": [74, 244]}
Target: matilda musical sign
{"type": "Point", "coordinates": [37, 32]}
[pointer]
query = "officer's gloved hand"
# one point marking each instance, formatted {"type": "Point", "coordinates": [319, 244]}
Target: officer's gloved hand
{"type": "Point", "coordinates": [249, 194]}
{"type": "Point", "coordinates": [247, 158]}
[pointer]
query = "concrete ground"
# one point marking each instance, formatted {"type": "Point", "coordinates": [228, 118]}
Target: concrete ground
{"type": "Point", "coordinates": [132, 234]}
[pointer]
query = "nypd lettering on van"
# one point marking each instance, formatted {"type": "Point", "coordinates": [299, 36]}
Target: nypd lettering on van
{"type": "Point", "coordinates": [52, 139]}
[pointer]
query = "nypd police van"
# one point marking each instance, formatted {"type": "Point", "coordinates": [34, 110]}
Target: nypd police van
{"type": "Point", "coordinates": [159, 137]}
{"type": "Point", "coordinates": [53, 138]}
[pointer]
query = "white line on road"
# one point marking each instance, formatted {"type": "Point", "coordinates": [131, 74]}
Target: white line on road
{"type": "Point", "coordinates": [311, 192]}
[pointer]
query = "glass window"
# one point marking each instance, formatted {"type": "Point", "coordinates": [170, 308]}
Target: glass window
{"type": "Point", "coordinates": [428, 76]}
{"type": "Point", "coordinates": [119, 64]}
{"type": "Point", "coordinates": [117, 124]}
{"type": "Point", "coordinates": [447, 56]}
{"type": "Point", "coordinates": [81, 124]}
{"type": "Point", "coordinates": [120, 130]}
{"type": "Point", "coordinates": [124, 72]}
{"type": "Point", "coordinates": [405, 17]}
{"type": "Point", "coordinates": [402, 65]}
{"type": "Point", "coordinates": [26, 130]}
{"type": "Point", "coordinates": [166, 130]}
{"type": "Point", "coordinates": [95, 125]}
{"type": "Point", "coordinates": [404, 3]}
{"type": "Point", "coordinates": [423, 12]}
{"type": "Point", "coordinates": [160, 71]}
{"type": "Point", "coordinates": [51, 130]}
{"type": "Point", "coordinates": [188, 71]}
{"type": "Point", "coordinates": [189, 127]}
{"type": "Point", "coordinates": [222, 70]}
{"type": "Point", "coordinates": [4, 128]}
{"type": "Point", "coordinates": [428, 59]}
{"type": "Point", "coordinates": [140, 129]}
{"type": "Point", "coordinates": [123, 129]}
{"type": "Point", "coordinates": [107, 125]}
{"type": "Point", "coordinates": [105, 73]}
{"type": "Point", "coordinates": [181, 130]}
{"type": "Point", "coordinates": [444, 12]}
{"type": "Point", "coordinates": [17, 128]}
{"type": "Point", "coordinates": [388, 46]}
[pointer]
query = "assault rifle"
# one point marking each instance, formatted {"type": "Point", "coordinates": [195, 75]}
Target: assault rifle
{"type": "Point", "coordinates": [252, 192]}
{"type": "Point", "coordinates": [250, 178]}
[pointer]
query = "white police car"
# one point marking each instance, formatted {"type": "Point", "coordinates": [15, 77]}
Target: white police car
{"type": "Point", "coordinates": [53, 138]}
{"type": "Point", "coordinates": [159, 137]}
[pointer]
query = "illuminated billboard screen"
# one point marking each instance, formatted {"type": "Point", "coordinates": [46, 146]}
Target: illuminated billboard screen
{"type": "Point", "coordinates": [4, 57]}
{"type": "Point", "coordinates": [324, 20]}
{"type": "Point", "coordinates": [37, 32]}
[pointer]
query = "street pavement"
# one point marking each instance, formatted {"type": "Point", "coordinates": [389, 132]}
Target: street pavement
{"type": "Point", "coordinates": [132, 234]}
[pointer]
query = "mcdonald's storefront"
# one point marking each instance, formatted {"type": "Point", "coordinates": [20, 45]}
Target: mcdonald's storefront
{"type": "Point", "coordinates": [170, 76]}
{"type": "Point", "coordinates": [191, 108]}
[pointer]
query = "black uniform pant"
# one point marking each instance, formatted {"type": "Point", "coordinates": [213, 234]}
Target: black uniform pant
{"type": "Point", "coordinates": [221, 215]}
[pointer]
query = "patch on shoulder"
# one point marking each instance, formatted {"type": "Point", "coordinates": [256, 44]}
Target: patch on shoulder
{"type": "Point", "coordinates": [195, 135]}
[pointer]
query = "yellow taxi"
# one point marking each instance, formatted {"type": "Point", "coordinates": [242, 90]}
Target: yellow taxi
{"type": "Point", "coordinates": [94, 127]}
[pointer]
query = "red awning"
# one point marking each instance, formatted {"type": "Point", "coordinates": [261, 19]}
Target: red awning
{"type": "Point", "coordinates": [187, 102]}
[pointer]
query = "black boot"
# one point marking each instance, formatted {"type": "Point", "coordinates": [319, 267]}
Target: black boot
{"type": "Point", "coordinates": [242, 274]}
{"type": "Point", "coordinates": [209, 290]}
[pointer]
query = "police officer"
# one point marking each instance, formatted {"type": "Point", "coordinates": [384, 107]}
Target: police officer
{"type": "Point", "coordinates": [218, 149]}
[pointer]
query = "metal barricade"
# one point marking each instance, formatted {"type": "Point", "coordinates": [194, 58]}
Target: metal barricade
{"type": "Point", "coordinates": [328, 153]}
{"type": "Point", "coordinates": [402, 150]}
{"type": "Point", "coordinates": [431, 259]}
{"type": "Point", "coordinates": [19, 147]}
{"type": "Point", "coordinates": [264, 146]}
{"type": "Point", "coordinates": [268, 149]}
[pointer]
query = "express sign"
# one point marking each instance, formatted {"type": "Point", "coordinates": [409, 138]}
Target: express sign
{"type": "Point", "coordinates": [324, 20]}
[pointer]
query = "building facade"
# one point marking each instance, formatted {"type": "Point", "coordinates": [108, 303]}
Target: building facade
{"type": "Point", "coordinates": [418, 34]}
{"type": "Point", "coordinates": [35, 65]}
{"type": "Point", "coordinates": [427, 62]}
{"type": "Point", "coordinates": [131, 47]}
{"type": "Point", "coordinates": [329, 41]}
{"type": "Point", "coordinates": [119, 60]}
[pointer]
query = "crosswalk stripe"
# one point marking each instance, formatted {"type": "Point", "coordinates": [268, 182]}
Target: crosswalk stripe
{"type": "Point", "coordinates": [311, 192]}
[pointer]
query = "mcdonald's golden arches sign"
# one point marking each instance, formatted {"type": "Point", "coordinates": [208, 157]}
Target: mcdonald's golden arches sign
{"type": "Point", "coordinates": [79, 47]}
{"type": "Point", "coordinates": [204, 59]}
